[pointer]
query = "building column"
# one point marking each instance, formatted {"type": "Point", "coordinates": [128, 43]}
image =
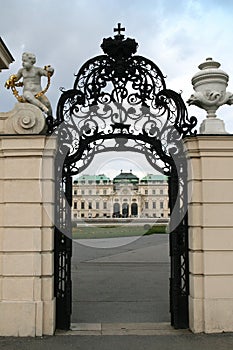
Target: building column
{"type": "Point", "coordinates": [210, 183]}
{"type": "Point", "coordinates": [27, 303]}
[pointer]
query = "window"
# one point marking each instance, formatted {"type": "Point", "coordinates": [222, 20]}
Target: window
{"type": "Point", "coordinates": [75, 205]}
{"type": "Point", "coordinates": [161, 205]}
{"type": "Point", "coordinates": [90, 192]}
{"type": "Point", "coordinates": [105, 205]}
{"type": "Point", "coordinates": [82, 192]}
{"type": "Point", "coordinates": [161, 192]}
{"type": "Point", "coordinates": [90, 182]}
{"type": "Point", "coordinates": [89, 205]}
{"type": "Point", "coordinates": [104, 192]}
{"type": "Point", "coordinates": [82, 205]}
{"type": "Point", "coordinates": [97, 205]}
{"type": "Point", "coordinates": [75, 192]}
{"type": "Point", "coordinates": [82, 215]}
{"type": "Point", "coordinates": [146, 205]}
{"type": "Point", "coordinates": [153, 192]}
{"type": "Point", "coordinates": [146, 191]}
{"type": "Point", "coordinates": [154, 205]}
{"type": "Point", "coordinates": [75, 216]}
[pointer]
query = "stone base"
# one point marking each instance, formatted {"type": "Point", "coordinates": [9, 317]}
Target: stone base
{"type": "Point", "coordinates": [211, 315]}
{"type": "Point", "coordinates": [214, 126]}
{"type": "Point", "coordinates": [27, 318]}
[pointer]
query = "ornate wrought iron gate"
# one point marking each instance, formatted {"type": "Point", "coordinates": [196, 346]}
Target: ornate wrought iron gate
{"type": "Point", "coordinates": [120, 102]}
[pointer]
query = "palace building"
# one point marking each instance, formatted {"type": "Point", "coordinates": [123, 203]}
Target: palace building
{"type": "Point", "coordinates": [97, 196]}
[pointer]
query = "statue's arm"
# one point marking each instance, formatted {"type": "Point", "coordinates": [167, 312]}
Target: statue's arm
{"type": "Point", "coordinates": [47, 70]}
{"type": "Point", "coordinates": [10, 83]}
{"type": "Point", "coordinates": [19, 74]}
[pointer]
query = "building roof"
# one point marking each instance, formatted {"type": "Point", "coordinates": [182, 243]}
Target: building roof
{"type": "Point", "coordinates": [86, 177]}
{"type": "Point", "coordinates": [153, 177]}
{"type": "Point", "coordinates": [126, 177]}
{"type": "Point", "coordinates": [122, 177]}
{"type": "Point", "coordinates": [5, 56]}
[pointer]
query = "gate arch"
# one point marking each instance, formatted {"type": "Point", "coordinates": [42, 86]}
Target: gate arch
{"type": "Point", "coordinates": [119, 102]}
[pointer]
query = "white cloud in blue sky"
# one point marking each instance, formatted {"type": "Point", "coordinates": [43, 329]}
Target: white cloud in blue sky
{"type": "Point", "coordinates": [177, 35]}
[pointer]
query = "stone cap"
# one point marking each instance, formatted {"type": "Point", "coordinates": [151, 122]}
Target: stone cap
{"type": "Point", "coordinates": [23, 119]}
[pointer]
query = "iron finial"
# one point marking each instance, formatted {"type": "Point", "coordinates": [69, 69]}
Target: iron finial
{"type": "Point", "coordinates": [119, 29]}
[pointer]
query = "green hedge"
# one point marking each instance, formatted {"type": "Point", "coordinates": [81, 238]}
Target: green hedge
{"type": "Point", "coordinates": [156, 229]}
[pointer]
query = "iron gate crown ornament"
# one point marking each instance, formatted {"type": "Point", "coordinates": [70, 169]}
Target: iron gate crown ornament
{"type": "Point", "coordinates": [119, 47]}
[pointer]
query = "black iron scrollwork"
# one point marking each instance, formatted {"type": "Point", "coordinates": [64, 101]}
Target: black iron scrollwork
{"type": "Point", "coordinates": [120, 97]}
{"type": "Point", "coordinates": [119, 102]}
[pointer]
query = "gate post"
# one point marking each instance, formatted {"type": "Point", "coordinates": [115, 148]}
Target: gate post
{"type": "Point", "coordinates": [27, 303]}
{"type": "Point", "coordinates": [210, 181]}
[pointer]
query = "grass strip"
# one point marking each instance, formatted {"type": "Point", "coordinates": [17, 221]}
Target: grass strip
{"type": "Point", "coordinates": [112, 231]}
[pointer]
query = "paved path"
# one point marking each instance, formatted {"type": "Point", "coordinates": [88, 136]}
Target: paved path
{"type": "Point", "coordinates": [179, 341]}
{"type": "Point", "coordinates": [126, 281]}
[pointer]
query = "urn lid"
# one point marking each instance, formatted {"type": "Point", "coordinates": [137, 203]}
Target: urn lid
{"type": "Point", "coordinates": [210, 68]}
{"type": "Point", "coordinates": [209, 63]}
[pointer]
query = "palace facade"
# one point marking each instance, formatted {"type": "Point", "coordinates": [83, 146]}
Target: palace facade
{"type": "Point", "coordinates": [97, 196]}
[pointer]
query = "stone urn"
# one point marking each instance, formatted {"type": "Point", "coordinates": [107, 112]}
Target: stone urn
{"type": "Point", "coordinates": [210, 85]}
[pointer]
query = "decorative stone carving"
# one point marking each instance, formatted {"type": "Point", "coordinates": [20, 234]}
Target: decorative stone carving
{"type": "Point", "coordinates": [32, 90]}
{"type": "Point", "coordinates": [25, 118]}
{"type": "Point", "coordinates": [210, 85]}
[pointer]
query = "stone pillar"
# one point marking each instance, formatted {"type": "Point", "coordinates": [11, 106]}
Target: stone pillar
{"type": "Point", "coordinates": [210, 181]}
{"type": "Point", "coordinates": [27, 304]}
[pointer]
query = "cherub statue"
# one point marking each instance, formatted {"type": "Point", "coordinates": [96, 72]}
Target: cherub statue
{"type": "Point", "coordinates": [32, 90]}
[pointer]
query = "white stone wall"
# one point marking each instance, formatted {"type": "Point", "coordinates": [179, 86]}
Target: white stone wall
{"type": "Point", "coordinates": [27, 304]}
{"type": "Point", "coordinates": [210, 160]}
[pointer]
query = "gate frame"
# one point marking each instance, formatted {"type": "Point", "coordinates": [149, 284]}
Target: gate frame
{"type": "Point", "coordinates": [79, 141]}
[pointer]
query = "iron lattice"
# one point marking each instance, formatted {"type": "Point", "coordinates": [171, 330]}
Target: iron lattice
{"type": "Point", "coordinates": [119, 102]}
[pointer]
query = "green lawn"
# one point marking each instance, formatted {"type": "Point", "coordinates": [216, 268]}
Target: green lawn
{"type": "Point", "coordinates": [111, 231]}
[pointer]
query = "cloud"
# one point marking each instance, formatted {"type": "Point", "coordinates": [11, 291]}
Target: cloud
{"type": "Point", "coordinates": [176, 35]}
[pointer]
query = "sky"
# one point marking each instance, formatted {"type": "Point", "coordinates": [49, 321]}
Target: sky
{"type": "Point", "coordinates": [177, 35]}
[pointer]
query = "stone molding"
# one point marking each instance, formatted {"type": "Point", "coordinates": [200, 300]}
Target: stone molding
{"type": "Point", "coordinates": [23, 119]}
{"type": "Point", "coordinates": [5, 56]}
